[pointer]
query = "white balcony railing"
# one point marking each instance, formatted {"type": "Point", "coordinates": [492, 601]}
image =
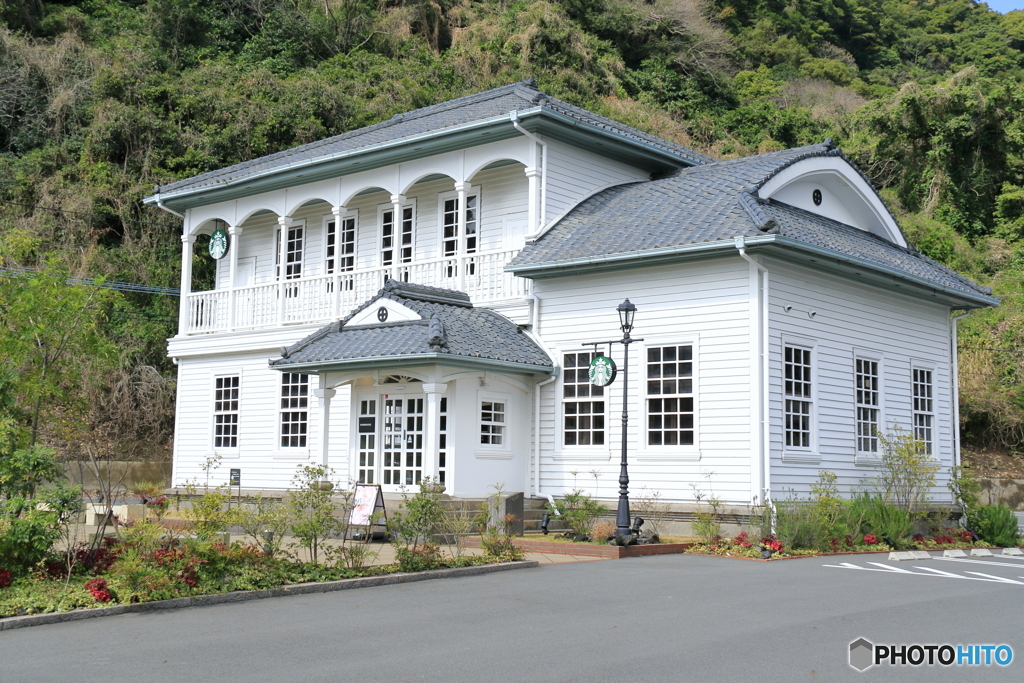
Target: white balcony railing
{"type": "Point", "coordinates": [329, 297]}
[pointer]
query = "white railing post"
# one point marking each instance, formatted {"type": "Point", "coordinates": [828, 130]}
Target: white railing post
{"type": "Point", "coordinates": [184, 305]}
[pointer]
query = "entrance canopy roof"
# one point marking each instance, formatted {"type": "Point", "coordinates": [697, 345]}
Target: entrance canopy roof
{"type": "Point", "coordinates": [406, 324]}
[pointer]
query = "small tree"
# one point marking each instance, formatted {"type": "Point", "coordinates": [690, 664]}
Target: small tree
{"type": "Point", "coordinates": [312, 507]}
{"type": "Point", "coordinates": [907, 470]}
{"type": "Point", "coordinates": [265, 521]}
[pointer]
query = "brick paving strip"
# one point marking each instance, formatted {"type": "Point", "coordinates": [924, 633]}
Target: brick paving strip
{"type": "Point", "coordinates": [8, 623]}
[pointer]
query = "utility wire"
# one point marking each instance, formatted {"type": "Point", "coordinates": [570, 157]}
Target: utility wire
{"type": "Point", "coordinates": [109, 284]}
{"type": "Point", "coordinates": [84, 213]}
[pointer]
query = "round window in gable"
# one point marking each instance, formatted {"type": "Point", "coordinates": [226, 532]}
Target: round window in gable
{"type": "Point", "coordinates": [382, 314]}
{"type": "Point", "coordinates": [816, 196]}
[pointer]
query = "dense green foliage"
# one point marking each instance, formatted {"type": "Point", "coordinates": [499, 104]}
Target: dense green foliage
{"type": "Point", "coordinates": [102, 99]}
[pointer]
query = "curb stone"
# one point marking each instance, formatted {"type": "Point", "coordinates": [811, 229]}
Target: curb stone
{"type": "Point", "coordinates": [9, 623]}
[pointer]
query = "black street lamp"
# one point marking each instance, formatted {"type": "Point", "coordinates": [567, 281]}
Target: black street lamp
{"type": "Point", "coordinates": [624, 535]}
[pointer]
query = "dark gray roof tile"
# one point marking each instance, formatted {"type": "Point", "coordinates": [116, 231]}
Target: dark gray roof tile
{"type": "Point", "coordinates": [449, 325]}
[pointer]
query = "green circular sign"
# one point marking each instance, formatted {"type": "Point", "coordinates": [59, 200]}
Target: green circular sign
{"type": "Point", "coordinates": [218, 244]}
{"type": "Point", "coordinates": [602, 371]}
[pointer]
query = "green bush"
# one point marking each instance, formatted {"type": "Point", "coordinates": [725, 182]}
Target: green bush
{"type": "Point", "coordinates": [996, 524]}
{"type": "Point", "coordinates": [579, 511]}
{"type": "Point", "coordinates": [871, 514]}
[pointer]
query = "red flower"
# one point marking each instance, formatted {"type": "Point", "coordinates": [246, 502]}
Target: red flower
{"type": "Point", "coordinates": [99, 590]}
{"type": "Point", "coordinates": [5, 578]}
{"type": "Point", "coordinates": [870, 539]}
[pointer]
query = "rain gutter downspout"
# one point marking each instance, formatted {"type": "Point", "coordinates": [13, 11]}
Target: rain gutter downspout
{"type": "Point", "coordinates": [955, 380]}
{"type": "Point", "coordinates": [534, 334]}
{"type": "Point", "coordinates": [537, 492]}
{"type": "Point", "coordinates": [160, 203]}
{"type": "Point", "coordinates": [542, 216]}
{"type": "Point", "coordinates": [765, 437]}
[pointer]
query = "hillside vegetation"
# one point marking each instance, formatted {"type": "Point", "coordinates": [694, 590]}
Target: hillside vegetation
{"type": "Point", "coordinates": [102, 99]}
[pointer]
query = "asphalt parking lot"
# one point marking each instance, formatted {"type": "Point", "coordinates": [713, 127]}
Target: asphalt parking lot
{"type": "Point", "coordinates": [667, 618]}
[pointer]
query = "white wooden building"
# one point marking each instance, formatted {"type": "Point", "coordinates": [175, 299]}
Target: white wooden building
{"type": "Point", "coordinates": [411, 299]}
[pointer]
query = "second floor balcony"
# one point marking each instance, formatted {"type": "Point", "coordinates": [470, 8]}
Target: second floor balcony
{"type": "Point", "coordinates": [321, 298]}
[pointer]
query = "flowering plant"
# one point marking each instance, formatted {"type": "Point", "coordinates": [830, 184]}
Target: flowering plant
{"type": "Point", "coordinates": [741, 540]}
{"type": "Point", "coordinates": [870, 539]}
{"type": "Point", "coordinates": [5, 578]}
{"type": "Point", "coordinates": [99, 589]}
{"type": "Point", "coordinates": [772, 543]}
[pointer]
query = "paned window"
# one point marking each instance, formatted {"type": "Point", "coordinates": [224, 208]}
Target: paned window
{"type": "Point", "coordinates": [292, 253]}
{"type": "Point", "coordinates": [294, 406]}
{"type": "Point", "coordinates": [453, 245]}
{"type": "Point", "coordinates": [582, 403]}
{"type": "Point", "coordinates": [225, 412]}
{"type": "Point", "coordinates": [866, 376]}
{"type": "Point", "coordinates": [442, 442]}
{"type": "Point", "coordinates": [799, 401]}
{"type": "Point", "coordinates": [923, 407]}
{"type": "Point", "coordinates": [367, 440]}
{"type": "Point", "coordinates": [402, 234]}
{"type": "Point", "coordinates": [340, 246]}
{"type": "Point", "coordinates": [492, 423]}
{"type": "Point", "coordinates": [670, 395]}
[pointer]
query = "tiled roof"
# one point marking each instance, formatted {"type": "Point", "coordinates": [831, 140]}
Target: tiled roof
{"type": "Point", "coordinates": [449, 325]}
{"type": "Point", "coordinates": [711, 203]}
{"type": "Point", "coordinates": [477, 107]}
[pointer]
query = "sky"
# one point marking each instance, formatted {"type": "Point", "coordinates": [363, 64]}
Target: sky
{"type": "Point", "coordinates": [1005, 6]}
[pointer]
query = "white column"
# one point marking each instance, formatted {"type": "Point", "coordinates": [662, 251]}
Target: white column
{"type": "Point", "coordinates": [460, 248]}
{"type": "Point", "coordinates": [338, 212]}
{"type": "Point", "coordinates": [432, 429]}
{"type": "Point", "coordinates": [324, 428]}
{"type": "Point", "coordinates": [282, 250]}
{"type": "Point", "coordinates": [533, 173]}
{"type": "Point", "coordinates": [234, 232]}
{"type": "Point", "coordinates": [186, 282]}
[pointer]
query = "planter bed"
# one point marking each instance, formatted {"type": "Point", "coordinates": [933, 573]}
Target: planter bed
{"type": "Point", "coordinates": [612, 552]}
{"type": "Point", "coordinates": [8, 623]}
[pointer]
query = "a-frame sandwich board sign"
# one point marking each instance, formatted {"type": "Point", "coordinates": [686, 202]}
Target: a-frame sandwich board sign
{"type": "Point", "coordinates": [368, 507]}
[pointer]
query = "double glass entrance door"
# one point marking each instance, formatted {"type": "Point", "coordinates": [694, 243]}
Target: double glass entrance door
{"type": "Point", "coordinates": [392, 452]}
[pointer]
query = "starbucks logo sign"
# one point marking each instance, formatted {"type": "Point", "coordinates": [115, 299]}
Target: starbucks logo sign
{"type": "Point", "coordinates": [218, 244]}
{"type": "Point", "coordinates": [602, 371]}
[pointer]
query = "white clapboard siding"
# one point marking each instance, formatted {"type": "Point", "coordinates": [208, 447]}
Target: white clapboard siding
{"type": "Point", "coordinates": [263, 463]}
{"type": "Point", "coordinates": [574, 174]}
{"type": "Point", "coordinates": [848, 318]}
{"type": "Point", "coordinates": [706, 304]}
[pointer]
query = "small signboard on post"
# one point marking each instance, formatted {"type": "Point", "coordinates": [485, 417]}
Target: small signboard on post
{"type": "Point", "coordinates": [368, 508]}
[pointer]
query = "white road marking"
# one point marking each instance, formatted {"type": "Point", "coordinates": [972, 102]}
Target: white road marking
{"type": "Point", "coordinates": [989, 562]}
{"type": "Point", "coordinates": [926, 571]}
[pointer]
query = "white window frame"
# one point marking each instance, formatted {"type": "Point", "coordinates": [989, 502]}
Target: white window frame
{"type": "Point", "coordinates": [473, 190]}
{"type": "Point", "coordinates": [396, 246]}
{"type": "Point", "coordinates": [279, 257]}
{"type": "Point", "coordinates": [868, 457]}
{"type": "Point", "coordinates": [638, 397]}
{"type": "Point", "coordinates": [577, 451]}
{"type": "Point", "coordinates": [327, 220]}
{"type": "Point", "coordinates": [502, 451]}
{"type": "Point", "coordinates": [213, 449]}
{"type": "Point", "coordinates": [922, 366]}
{"type": "Point", "coordinates": [281, 411]}
{"type": "Point", "coordinates": [801, 454]}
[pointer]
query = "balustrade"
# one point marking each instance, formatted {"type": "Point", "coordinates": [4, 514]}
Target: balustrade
{"type": "Point", "coordinates": [327, 297]}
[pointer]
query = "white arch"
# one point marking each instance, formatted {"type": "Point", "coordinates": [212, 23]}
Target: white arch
{"type": "Point", "coordinates": [296, 197]}
{"type": "Point", "coordinates": [845, 195]}
{"type": "Point", "coordinates": [487, 162]}
{"type": "Point", "coordinates": [425, 174]}
{"type": "Point", "coordinates": [199, 226]}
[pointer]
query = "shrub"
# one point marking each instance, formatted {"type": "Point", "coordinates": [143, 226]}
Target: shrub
{"type": "Point", "coordinates": [996, 524]}
{"type": "Point", "coordinates": [419, 519]}
{"type": "Point", "coordinates": [907, 471]}
{"type": "Point", "coordinates": [579, 511]}
{"type": "Point", "coordinates": [878, 518]}
{"type": "Point", "coordinates": [312, 508]}
{"type": "Point", "coordinates": [6, 578]}
{"type": "Point", "coordinates": [419, 558]}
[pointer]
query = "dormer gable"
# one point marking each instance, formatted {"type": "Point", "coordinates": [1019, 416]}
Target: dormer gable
{"type": "Point", "coordinates": [383, 310]}
{"type": "Point", "coordinates": [832, 187]}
